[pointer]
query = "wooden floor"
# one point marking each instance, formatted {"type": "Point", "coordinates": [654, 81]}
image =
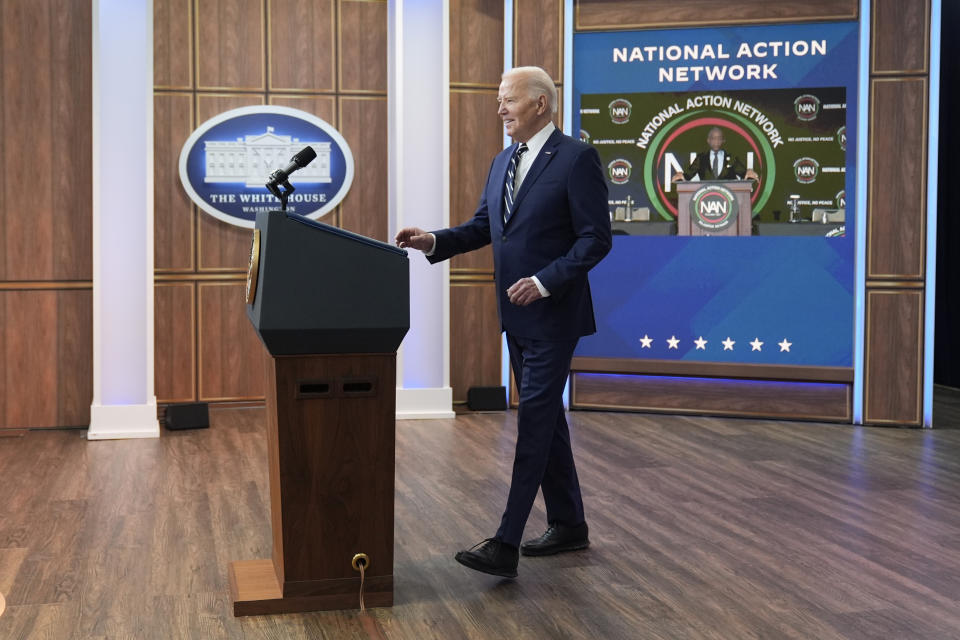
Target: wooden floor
{"type": "Point", "coordinates": [701, 528]}
{"type": "Point", "coordinates": [946, 407]}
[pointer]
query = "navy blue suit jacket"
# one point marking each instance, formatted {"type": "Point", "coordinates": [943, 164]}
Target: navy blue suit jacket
{"type": "Point", "coordinates": [559, 229]}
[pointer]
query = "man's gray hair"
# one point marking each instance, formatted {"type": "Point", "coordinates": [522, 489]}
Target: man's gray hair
{"type": "Point", "coordinates": [538, 83]}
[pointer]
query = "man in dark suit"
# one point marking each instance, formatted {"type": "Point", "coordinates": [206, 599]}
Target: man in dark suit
{"type": "Point", "coordinates": [544, 208]}
{"type": "Point", "coordinates": [715, 163]}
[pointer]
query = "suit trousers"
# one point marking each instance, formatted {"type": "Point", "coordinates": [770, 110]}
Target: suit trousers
{"type": "Point", "coordinates": [543, 458]}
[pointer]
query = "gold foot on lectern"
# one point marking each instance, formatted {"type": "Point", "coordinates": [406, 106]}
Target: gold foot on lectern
{"type": "Point", "coordinates": [255, 591]}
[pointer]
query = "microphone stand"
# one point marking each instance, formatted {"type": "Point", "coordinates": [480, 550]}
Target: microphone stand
{"type": "Point", "coordinates": [281, 177]}
{"type": "Point", "coordinates": [282, 195]}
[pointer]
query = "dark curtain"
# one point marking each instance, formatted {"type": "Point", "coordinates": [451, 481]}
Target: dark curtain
{"type": "Point", "coordinates": [946, 363]}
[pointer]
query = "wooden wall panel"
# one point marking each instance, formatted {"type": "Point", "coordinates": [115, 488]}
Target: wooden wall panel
{"type": "Point", "coordinates": [212, 104]}
{"type": "Point", "coordinates": [232, 358]}
{"type": "Point", "coordinates": [230, 44]}
{"type": "Point", "coordinates": [901, 36]}
{"type": "Point", "coordinates": [474, 338]}
{"type": "Point", "coordinates": [28, 150]}
{"type": "Point", "coordinates": [621, 14]}
{"type": "Point", "coordinates": [893, 357]}
{"type": "Point", "coordinates": [6, 400]}
{"type": "Point", "coordinates": [30, 326]}
{"type": "Point", "coordinates": [324, 107]}
{"type": "Point", "coordinates": [46, 214]}
{"type": "Point", "coordinates": [716, 396]}
{"type": "Point", "coordinates": [71, 141]}
{"type": "Point", "coordinates": [175, 341]}
{"type": "Point", "coordinates": [172, 44]}
{"type": "Point", "coordinates": [363, 46]}
{"type": "Point", "coordinates": [4, 244]}
{"type": "Point", "coordinates": [896, 224]}
{"type": "Point", "coordinates": [538, 36]}
{"type": "Point", "coordinates": [174, 214]}
{"type": "Point", "coordinates": [896, 212]}
{"type": "Point", "coordinates": [476, 136]}
{"type": "Point", "coordinates": [46, 346]}
{"type": "Point", "coordinates": [222, 246]}
{"type": "Point", "coordinates": [476, 42]}
{"type": "Point", "coordinates": [302, 45]}
{"type": "Point", "coordinates": [558, 116]}
{"type": "Point", "coordinates": [694, 369]}
{"type": "Point", "coordinates": [363, 123]}
{"type": "Point", "coordinates": [74, 388]}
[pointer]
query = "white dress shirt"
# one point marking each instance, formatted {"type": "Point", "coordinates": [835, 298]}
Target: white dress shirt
{"type": "Point", "coordinates": [534, 145]}
{"type": "Point", "coordinates": [713, 159]}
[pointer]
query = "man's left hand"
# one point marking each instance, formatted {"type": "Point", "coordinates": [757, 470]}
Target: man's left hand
{"type": "Point", "coordinates": [523, 292]}
{"type": "Point", "coordinates": [751, 175]}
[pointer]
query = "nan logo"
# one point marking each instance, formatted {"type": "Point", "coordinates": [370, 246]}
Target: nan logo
{"type": "Point", "coordinates": [807, 107]}
{"type": "Point", "coordinates": [713, 207]}
{"type": "Point", "coordinates": [806, 170]}
{"type": "Point", "coordinates": [840, 200]}
{"type": "Point", "coordinates": [225, 163]}
{"type": "Point", "coordinates": [620, 110]}
{"type": "Point", "coordinates": [842, 137]}
{"type": "Point", "coordinates": [619, 171]}
{"type": "Point", "coordinates": [584, 136]}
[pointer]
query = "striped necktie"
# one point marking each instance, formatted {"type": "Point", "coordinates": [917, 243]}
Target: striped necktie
{"type": "Point", "coordinates": [511, 178]}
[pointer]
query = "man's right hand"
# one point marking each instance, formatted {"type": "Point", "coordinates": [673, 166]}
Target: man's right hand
{"type": "Point", "coordinates": [414, 238]}
{"type": "Point", "coordinates": [677, 177]}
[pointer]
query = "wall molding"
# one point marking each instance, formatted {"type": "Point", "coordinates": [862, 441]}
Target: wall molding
{"type": "Point", "coordinates": [121, 422]}
{"type": "Point", "coordinates": [425, 404]}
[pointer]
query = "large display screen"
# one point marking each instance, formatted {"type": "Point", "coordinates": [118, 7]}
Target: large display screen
{"type": "Point", "coordinates": [763, 111]}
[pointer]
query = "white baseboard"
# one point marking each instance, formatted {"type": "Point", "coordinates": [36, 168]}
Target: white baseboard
{"type": "Point", "coordinates": [425, 404]}
{"type": "Point", "coordinates": [122, 421]}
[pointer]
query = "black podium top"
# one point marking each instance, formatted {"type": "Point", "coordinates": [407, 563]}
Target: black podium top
{"type": "Point", "coordinates": [320, 289]}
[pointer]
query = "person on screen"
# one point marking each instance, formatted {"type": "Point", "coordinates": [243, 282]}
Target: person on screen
{"type": "Point", "coordinates": [544, 208]}
{"type": "Point", "coordinates": [715, 163]}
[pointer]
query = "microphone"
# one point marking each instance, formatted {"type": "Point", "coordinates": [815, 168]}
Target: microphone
{"type": "Point", "coordinates": [301, 159]}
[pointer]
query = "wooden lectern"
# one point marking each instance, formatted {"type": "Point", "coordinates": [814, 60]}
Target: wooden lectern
{"type": "Point", "coordinates": [331, 307]}
{"type": "Point", "coordinates": [714, 208]}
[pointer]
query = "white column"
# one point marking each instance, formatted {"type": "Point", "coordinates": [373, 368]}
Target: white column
{"type": "Point", "coordinates": [419, 187]}
{"type": "Point", "coordinates": [933, 160]}
{"type": "Point", "coordinates": [124, 404]}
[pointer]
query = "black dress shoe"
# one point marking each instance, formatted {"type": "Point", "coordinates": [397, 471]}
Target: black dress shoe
{"type": "Point", "coordinates": [491, 556]}
{"type": "Point", "coordinates": [557, 538]}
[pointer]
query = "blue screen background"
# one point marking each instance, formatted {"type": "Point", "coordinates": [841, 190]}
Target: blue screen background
{"type": "Point", "coordinates": [798, 289]}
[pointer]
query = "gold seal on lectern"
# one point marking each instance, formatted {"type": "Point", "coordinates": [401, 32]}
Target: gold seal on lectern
{"type": "Point", "coordinates": [253, 269]}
